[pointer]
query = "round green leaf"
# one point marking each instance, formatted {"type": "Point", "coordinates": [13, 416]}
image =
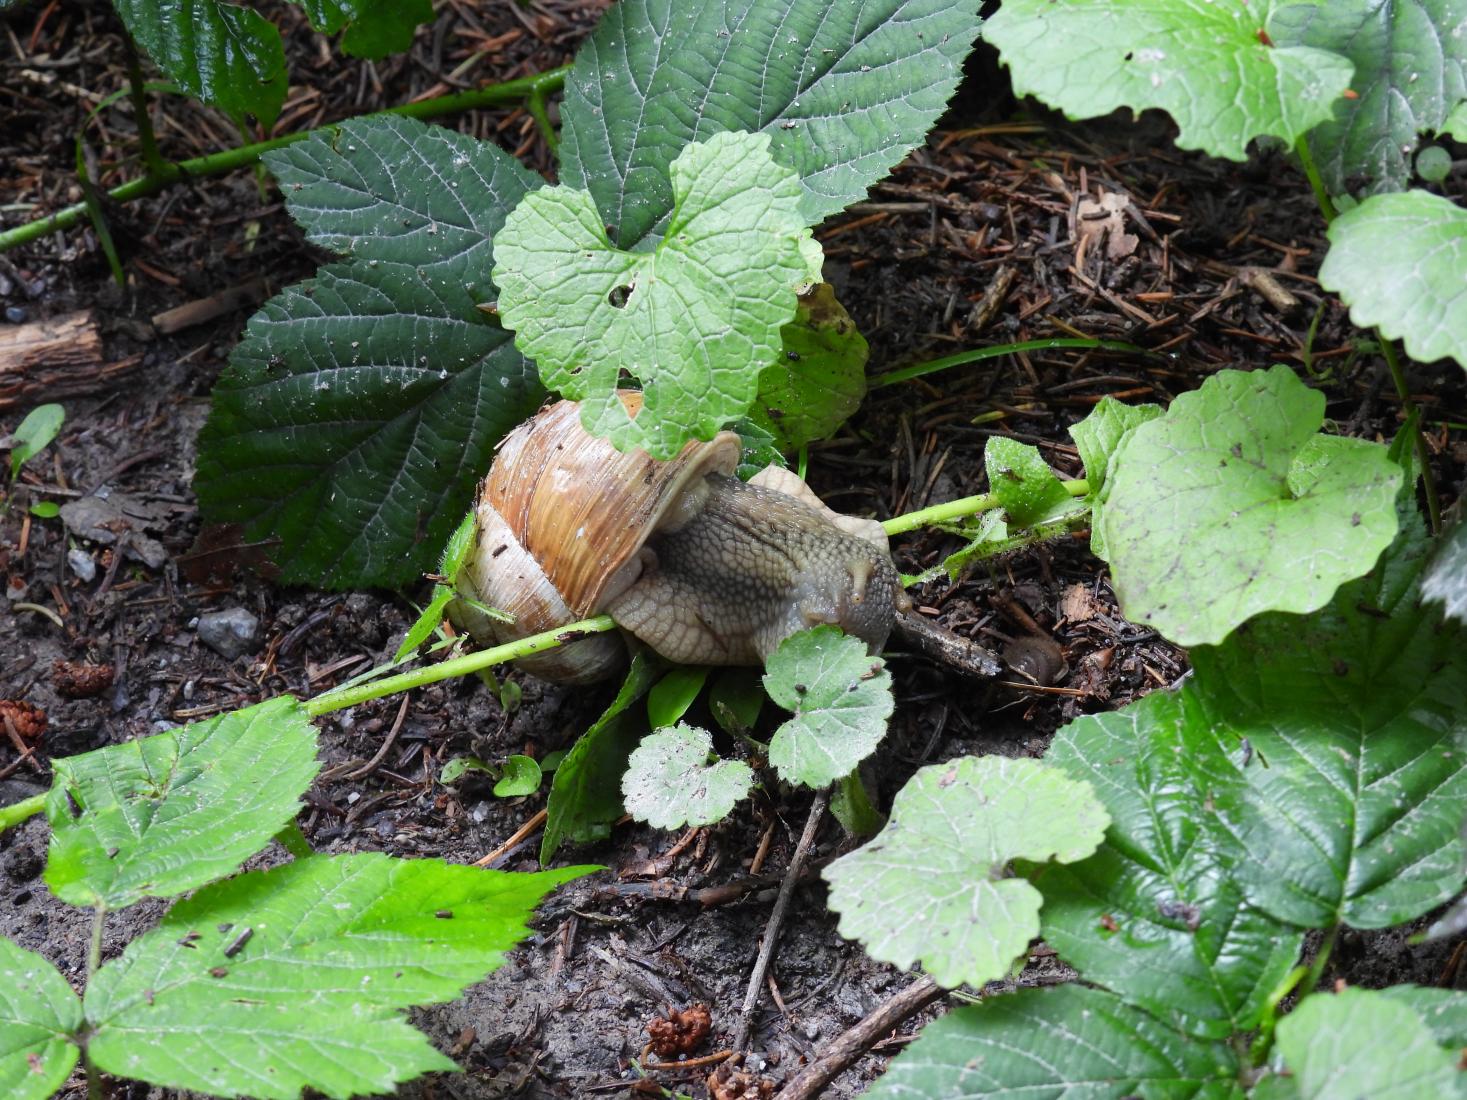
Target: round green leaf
{"type": "Point", "coordinates": [1400, 263]}
{"type": "Point", "coordinates": [841, 696]}
{"type": "Point", "coordinates": [694, 320]}
{"type": "Point", "coordinates": [932, 888]}
{"type": "Point", "coordinates": [38, 1014]}
{"type": "Point", "coordinates": [521, 776]}
{"type": "Point", "coordinates": [669, 782]}
{"type": "Point", "coordinates": [1433, 164]}
{"type": "Point", "coordinates": [1232, 504]}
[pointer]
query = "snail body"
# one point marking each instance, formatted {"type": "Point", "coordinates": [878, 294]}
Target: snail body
{"type": "Point", "coordinates": [700, 566]}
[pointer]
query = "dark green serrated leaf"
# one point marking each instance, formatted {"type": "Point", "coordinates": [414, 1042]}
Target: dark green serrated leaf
{"type": "Point", "coordinates": [1023, 482]}
{"type": "Point", "coordinates": [294, 977]}
{"type": "Point", "coordinates": [1410, 63]}
{"type": "Point", "coordinates": [226, 56]}
{"type": "Point", "coordinates": [845, 90]}
{"type": "Point", "coordinates": [38, 1015]}
{"type": "Point", "coordinates": [1070, 1042]}
{"type": "Point", "coordinates": [820, 379]}
{"type": "Point", "coordinates": [374, 28]}
{"type": "Point", "coordinates": [168, 813]}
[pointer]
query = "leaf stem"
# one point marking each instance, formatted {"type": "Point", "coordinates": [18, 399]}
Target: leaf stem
{"type": "Point", "coordinates": [1316, 181]}
{"type": "Point", "coordinates": [17, 812]}
{"type": "Point", "coordinates": [94, 948]}
{"type": "Point", "coordinates": [1423, 454]}
{"type": "Point", "coordinates": [1321, 960]}
{"type": "Point", "coordinates": [977, 355]}
{"type": "Point", "coordinates": [215, 164]}
{"type": "Point", "coordinates": [958, 509]}
{"type": "Point", "coordinates": [536, 104]}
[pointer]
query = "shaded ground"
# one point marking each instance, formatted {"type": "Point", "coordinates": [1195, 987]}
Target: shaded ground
{"type": "Point", "coordinates": [989, 204]}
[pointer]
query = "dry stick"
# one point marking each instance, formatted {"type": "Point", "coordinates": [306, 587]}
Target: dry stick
{"type": "Point", "coordinates": [776, 917]}
{"type": "Point", "coordinates": [853, 1043]}
{"type": "Point", "coordinates": [523, 831]}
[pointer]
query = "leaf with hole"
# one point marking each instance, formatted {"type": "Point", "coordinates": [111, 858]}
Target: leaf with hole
{"type": "Point", "coordinates": [820, 379]}
{"type": "Point", "coordinates": [670, 781]}
{"type": "Point", "coordinates": [38, 1015]}
{"type": "Point", "coordinates": [373, 29]}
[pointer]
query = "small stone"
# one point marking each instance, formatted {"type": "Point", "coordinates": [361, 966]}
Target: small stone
{"type": "Point", "coordinates": [229, 633]}
{"type": "Point", "coordinates": [16, 315]}
{"type": "Point", "coordinates": [82, 564]}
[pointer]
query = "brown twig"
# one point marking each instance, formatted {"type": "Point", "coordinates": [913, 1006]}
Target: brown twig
{"type": "Point", "coordinates": [371, 765]}
{"type": "Point", "coordinates": [519, 834]}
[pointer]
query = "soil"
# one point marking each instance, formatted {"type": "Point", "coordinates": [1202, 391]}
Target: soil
{"type": "Point", "coordinates": [990, 202]}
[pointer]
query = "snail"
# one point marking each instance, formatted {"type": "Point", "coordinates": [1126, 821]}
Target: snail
{"type": "Point", "coordinates": [698, 565]}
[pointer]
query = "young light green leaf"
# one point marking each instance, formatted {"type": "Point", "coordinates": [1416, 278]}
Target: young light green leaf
{"type": "Point", "coordinates": [45, 509]}
{"type": "Point", "coordinates": [168, 813]}
{"type": "Point", "coordinates": [426, 623]}
{"type": "Point", "coordinates": [1023, 483]}
{"type": "Point", "coordinates": [758, 448]}
{"type": "Point", "coordinates": [672, 695]}
{"type": "Point", "coordinates": [34, 434]}
{"type": "Point", "coordinates": [931, 887]}
{"type": "Point", "coordinates": [1078, 1043]}
{"type": "Point", "coordinates": [295, 977]}
{"type": "Point", "coordinates": [373, 29]}
{"type": "Point", "coordinates": [1207, 65]}
{"type": "Point", "coordinates": [1445, 580]}
{"type": "Point", "coordinates": [670, 783]}
{"type": "Point", "coordinates": [1157, 915]}
{"type": "Point", "coordinates": [586, 793]}
{"type": "Point", "coordinates": [521, 776]}
{"type": "Point", "coordinates": [1099, 435]}
{"type": "Point", "coordinates": [1410, 70]}
{"type": "Point", "coordinates": [362, 407]}
{"type": "Point", "coordinates": [1433, 164]}
{"type": "Point", "coordinates": [841, 696]}
{"type": "Point", "coordinates": [694, 320]}
{"type": "Point", "coordinates": [223, 55]}
{"type": "Point", "coordinates": [1456, 123]}
{"type": "Point", "coordinates": [39, 1014]}
{"type": "Point", "coordinates": [1443, 1011]}
{"type": "Point", "coordinates": [457, 549]}
{"type": "Point", "coordinates": [1331, 1044]}
{"type": "Point", "coordinates": [820, 379]}
{"type": "Point", "coordinates": [1231, 504]}
{"type": "Point", "coordinates": [1400, 262]}
{"type": "Point", "coordinates": [845, 91]}
{"type": "Point", "coordinates": [460, 766]}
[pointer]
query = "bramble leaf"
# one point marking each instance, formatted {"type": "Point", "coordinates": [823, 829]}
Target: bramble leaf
{"type": "Point", "coordinates": [1209, 66]}
{"type": "Point", "coordinates": [931, 886]}
{"type": "Point", "coordinates": [669, 782]}
{"type": "Point", "coordinates": [295, 977]}
{"type": "Point", "coordinates": [841, 696]}
{"type": "Point", "coordinates": [1023, 482]}
{"type": "Point", "coordinates": [845, 91]}
{"type": "Point", "coordinates": [373, 29]}
{"type": "Point", "coordinates": [1232, 504]}
{"type": "Point", "coordinates": [38, 1014]}
{"type": "Point", "coordinates": [820, 379]}
{"type": "Point", "coordinates": [168, 813]}
{"type": "Point", "coordinates": [694, 320]}
{"type": "Point", "coordinates": [1400, 263]}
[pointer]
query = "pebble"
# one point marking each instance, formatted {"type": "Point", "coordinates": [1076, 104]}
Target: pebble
{"type": "Point", "coordinates": [16, 315]}
{"type": "Point", "coordinates": [229, 633]}
{"type": "Point", "coordinates": [82, 564]}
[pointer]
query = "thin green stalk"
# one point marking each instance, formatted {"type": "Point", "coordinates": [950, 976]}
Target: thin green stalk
{"type": "Point", "coordinates": [961, 508]}
{"type": "Point", "coordinates": [1423, 453]}
{"type": "Point", "coordinates": [17, 812]}
{"type": "Point", "coordinates": [541, 115]}
{"type": "Point", "coordinates": [1316, 181]}
{"type": "Point", "coordinates": [153, 161]}
{"type": "Point", "coordinates": [932, 366]}
{"type": "Point", "coordinates": [1321, 960]}
{"type": "Point", "coordinates": [226, 161]}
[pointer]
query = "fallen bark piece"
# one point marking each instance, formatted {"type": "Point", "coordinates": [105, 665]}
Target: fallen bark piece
{"type": "Point", "coordinates": [58, 357]}
{"type": "Point", "coordinates": [201, 310]}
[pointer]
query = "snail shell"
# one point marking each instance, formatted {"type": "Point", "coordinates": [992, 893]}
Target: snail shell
{"type": "Point", "coordinates": [697, 564]}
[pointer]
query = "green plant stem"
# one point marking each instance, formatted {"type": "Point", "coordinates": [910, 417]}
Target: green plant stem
{"type": "Point", "coordinates": [95, 1086]}
{"type": "Point", "coordinates": [958, 509]}
{"type": "Point", "coordinates": [1316, 181]}
{"type": "Point", "coordinates": [153, 161]}
{"type": "Point", "coordinates": [977, 355]}
{"type": "Point", "coordinates": [1321, 960]}
{"type": "Point", "coordinates": [17, 812]}
{"type": "Point", "coordinates": [1423, 453]}
{"type": "Point", "coordinates": [541, 115]}
{"type": "Point", "coordinates": [226, 161]}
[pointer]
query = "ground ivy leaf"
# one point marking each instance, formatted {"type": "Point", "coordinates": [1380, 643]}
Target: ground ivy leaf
{"type": "Point", "coordinates": [362, 406]}
{"type": "Point", "coordinates": [38, 1015]}
{"type": "Point", "coordinates": [1207, 65]}
{"type": "Point", "coordinates": [930, 887]}
{"type": "Point", "coordinates": [1157, 915]}
{"type": "Point", "coordinates": [844, 90]}
{"type": "Point", "coordinates": [694, 320]}
{"type": "Point", "coordinates": [1082, 1044]}
{"type": "Point", "coordinates": [521, 776]}
{"type": "Point", "coordinates": [1331, 1044]}
{"type": "Point", "coordinates": [1410, 70]}
{"type": "Point", "coordinates": [1400, 262]}
{"type": "Point", "coordinates": [669, 782]}
{"type": "Point", "coordinates": [841, 696]}
{"type": "Point", "coordinates": [1023, 482]}
{"type": "Point", "coordinates": [168, 813]}
{"type": "Point", "coordinates": [1231, 504]}
{"type": "Point", "coordinates": [373, 29]}
{"type": "Point", "coordinates": [1445, 579]}
{"type": "Point", "coordinates": [820, 379]}
{"type": "Point", "coordinates": [226, 56]}
{"type": "Point", "coordinates": [295, 977]}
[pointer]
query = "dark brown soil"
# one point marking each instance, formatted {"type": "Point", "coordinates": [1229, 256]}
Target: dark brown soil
{"type": "Point", "coordinates": [994, 196]}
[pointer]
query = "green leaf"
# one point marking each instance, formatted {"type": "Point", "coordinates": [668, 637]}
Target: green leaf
{"type": "Point", "coordinates": [1157, 915]}
{"type": "Point", "coordinates": [586, 792]}
{"type": "Point", "coordinates": [844, 90]}
{"type": "Point", "coordinates": [38, 1015]}
{"type": "Point", "coordinates": [168, 813]}
{"type": "Point", "coordinates": [361, 407]}
{"type": "Point", "coordinates": [670, 783]}
{"type": "Point", "coordinates": [1332, 1045]}
{"type": "Point", "coordinates": [694, 320]}
{"type": "Point", "coordinates": [758, 448]}
{"type": "Point", "coordinates": [1206, 64]}
{"type": "Point", "coordinates": [736, 698]}
{"type": "Point", "coordinates": [460, 766]}
{"type": "Point", "coordinates": [1399, 262]}
{"type": "Point", "coordinates": [1433, 164]}
{"type": "Point", "coordinates": [521, 777]}
{"type": "Point", "coordinates": [841, 696]}
{"type": "Point", "coordinates": [1099, 435]}
{"type": "Point", "coordinates": [34, 434]}
{"type": "Point", "coordinates": [1410, 70]}
{"type": "Point", "coordinates": [1023, 483]}
{"type": "Point", "coordinates": [295, 976]}
{"type": "Point", "coordinates": [1232, 504]}
{"type": "Point", "coordinates": [373, 29]}
{"type": "Point", "coordinates": [931, 887]}
{"type": "Point", "coordinates": [1443, 1011]}
{"type": "Point", "coordinates": [1445, 579]}
{"type": "Point", "coordinates": [458, 548]}
{"type": "Point", "coordinates": [850, 804]}
{"type": "Point", "coordinates": [1456, 123]}
{"type": "Point", "coordinates": [672, 695]}
{"type": "Point", "coordinates": [1071, 1042]}
{"type": "Point", "coordinates": [426, 623]}
{"type": "Point", "coordinates": [820, 379]}
{"type": "Point", "coordinates": [228, 57]}
{"type": "Point", "coordinates": [45, 509]}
